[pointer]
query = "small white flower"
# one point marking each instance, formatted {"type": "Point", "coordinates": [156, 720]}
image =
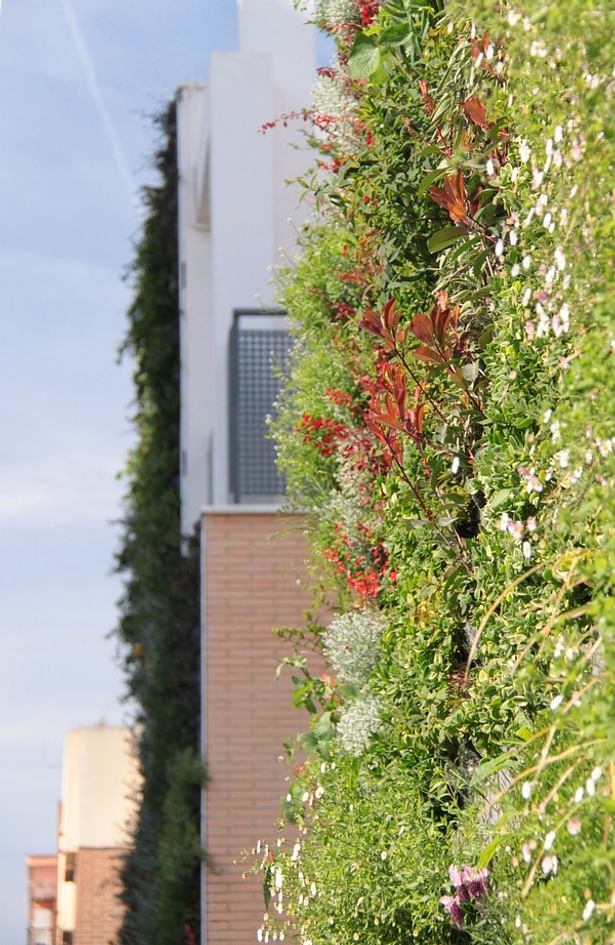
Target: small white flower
{"type": "Point", "coordinates": [527, 550]}
{"type": "Point", "coordinates": [547, 415]}
{"type": "Point", "coordinates": [556, 702]}
{"type": "Point", "coordinates": [564, 458]}
{"type": "Point", "coordinates": [590, 787]}
{"type": "Point", "coordinates": [573, 826]}
{"type": "Point", "coordinates": [526, 790]}
{"type": "Point", "coordinates": [527, 295]}
{"type": "Point", "coordinates": [560, 259]}
{"type": "Point", "coordinates": [312, 889]}
{"type": "Point", "coordinates": [547, 220]}
{"type": "Point", "coordinates": [489, 51]}
{"type": "Point", "coordinates": [455, 465]}
{"type": "Point", "coordinates": [525, 152]}
{"type": "Point", "coordinates": [296, 852]}
{"type": "Point", "coordinates": [550, 276]}
{"type": "Point", "coordinates": [513, 237]}
{"type": "Point", "coordinates": [549, 864]}
{"type": "Point", "coordinates": [516, 269]}
{"type": "Point", "coordinates": [526, 853]}
{"type": "Point", "coordinates": [579, 794]}
{"type": "Point", "coordinates": [383, 855]}
{"type": "Point", "coordinates": [596, 774]}
{"type": "Point", "coordinates": [318, 793]}
{"type": "Point", "coordinates": [513, 19]}
{"type": "Point", "coordinates": [558, 134]}
{"type": "Point", "coordinates": [490, 168]}
{"type": "Point", "coordinates": [504, 521]}
{"type": "Point", "coordinates": [499, 248]}
{"type": "Point", "coordinates": [564, 314]}
{"type": "Point", "coordinates": [259, 935]}
{"type": "Point", "coordinates": [590, 905]}
{"type": "Point", "coordinates": [514, 174]}
{"type": "Point", "coordinates": [550, 839]}
{"type": "Point", "coordinates": [526, 262]}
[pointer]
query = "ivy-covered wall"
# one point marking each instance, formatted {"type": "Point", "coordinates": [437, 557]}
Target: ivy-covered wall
{"type": "Point", "coordinates": [450, 424]}
{"type": "Point", "coordinates": [159, 611]}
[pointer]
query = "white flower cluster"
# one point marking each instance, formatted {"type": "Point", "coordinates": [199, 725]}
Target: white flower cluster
{"type": "Point", "coordinates": [350, 501]}
{"type": "Point", "coordinates": [337, 12]}
{"type": "Point", "coordinates": [330, 100]}
{"type": "Point", "coordinates": [351, 644]}
{"type": "Point", "coordinates": [360, 720]}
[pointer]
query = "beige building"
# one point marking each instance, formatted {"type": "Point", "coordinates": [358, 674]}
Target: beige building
{"type": "Point", "coordinates": [98, 786]}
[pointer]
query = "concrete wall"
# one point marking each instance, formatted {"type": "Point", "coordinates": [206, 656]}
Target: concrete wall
{"type": "Point", "coordinates": [235, 214]}
{"type": "Point", "coordinates": [253, 580]}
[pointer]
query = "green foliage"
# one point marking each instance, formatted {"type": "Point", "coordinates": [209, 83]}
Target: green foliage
{"type": "Point", "coordinates": [449, 424]}
{"type": "Point", "coordinates": [159, 610]}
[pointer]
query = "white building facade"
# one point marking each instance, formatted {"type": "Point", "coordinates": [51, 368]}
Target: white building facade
{"type": "Point", "coordinates": [236, 214]}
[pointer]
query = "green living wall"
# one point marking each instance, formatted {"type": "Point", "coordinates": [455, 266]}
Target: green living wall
{"type": "Point", "coordinates": [159, 611]}
{"type": "Point", "coordinates": [449, 424]}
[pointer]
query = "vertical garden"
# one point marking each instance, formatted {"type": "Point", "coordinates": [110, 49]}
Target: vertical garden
{"type": "Point", "coordinates": [449, 426]}
{"type": "Point", "coordinates": [159, 630]}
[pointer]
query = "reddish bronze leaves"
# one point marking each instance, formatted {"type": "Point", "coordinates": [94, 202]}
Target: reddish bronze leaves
{"type": "Point", "coordinates": [453, 197]}
{"type": "Point", "coordinates": [476, 112]}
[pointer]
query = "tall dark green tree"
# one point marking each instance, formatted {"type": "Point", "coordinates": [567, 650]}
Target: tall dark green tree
{"type": "Point", "coordinates": [159, 610]}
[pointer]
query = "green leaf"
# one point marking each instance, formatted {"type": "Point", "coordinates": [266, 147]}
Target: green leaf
{"type": "Point", "coordinates": [499, 498]}
{"type": "Point", "coordinates": [395, 35]}
{"type": "Point", "coordinates": [485, 770]}
{"type": "Point", "coordinates": [445, 237]}
{"type": "Point", "coordinates": [489, 851]}
{"type": "Point", "coordinates": [364, 59]}
{"type": "Point", "coordinates": [430, 179]}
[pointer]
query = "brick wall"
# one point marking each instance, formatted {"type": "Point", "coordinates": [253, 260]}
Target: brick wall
{"type": "Point", "coordinates": [252, 563]}
{"type": "Point", "coordinates": [99, 912]}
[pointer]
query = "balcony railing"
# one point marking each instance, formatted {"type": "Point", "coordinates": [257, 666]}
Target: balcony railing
{"type": "Point", "coordinates": [42, 936]}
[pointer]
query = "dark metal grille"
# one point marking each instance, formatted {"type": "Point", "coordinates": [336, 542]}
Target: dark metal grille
{"type": "Point", "coordinates": [258, 354]}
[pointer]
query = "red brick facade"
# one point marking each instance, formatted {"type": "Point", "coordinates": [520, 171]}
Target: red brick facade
{"type": "Point", "coordinates": [254, 580]}
{"type": "Point", "coordinates": [99, 912]}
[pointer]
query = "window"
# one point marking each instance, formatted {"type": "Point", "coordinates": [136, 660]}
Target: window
{"type": "Point", "coordinates": [70, 865]}
{"type": "Point", "coordinates": [259, 348]}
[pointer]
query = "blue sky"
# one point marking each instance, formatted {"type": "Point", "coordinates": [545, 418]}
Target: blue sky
{"type": "Point", "coordinates": [67, 222]}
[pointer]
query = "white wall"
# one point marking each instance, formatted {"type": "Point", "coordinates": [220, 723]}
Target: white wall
{"type": "Point", "coordinates": [98, 778]}
{"type": "Point", "coordinates": [234, 218]}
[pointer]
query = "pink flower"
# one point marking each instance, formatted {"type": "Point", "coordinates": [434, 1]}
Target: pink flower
{"type": "Point", "coordinates": [452, 907]}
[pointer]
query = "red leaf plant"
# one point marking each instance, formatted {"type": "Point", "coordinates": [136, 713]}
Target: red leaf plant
{"type": "Point", "coordinates": [454, 197]}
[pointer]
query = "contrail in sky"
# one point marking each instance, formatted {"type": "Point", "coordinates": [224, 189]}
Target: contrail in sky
{"type": "Point", "coordinates": [93, 86]}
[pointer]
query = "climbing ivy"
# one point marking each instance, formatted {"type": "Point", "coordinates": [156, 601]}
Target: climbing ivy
{"type": "Point", "coordinates": [158, 627]}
